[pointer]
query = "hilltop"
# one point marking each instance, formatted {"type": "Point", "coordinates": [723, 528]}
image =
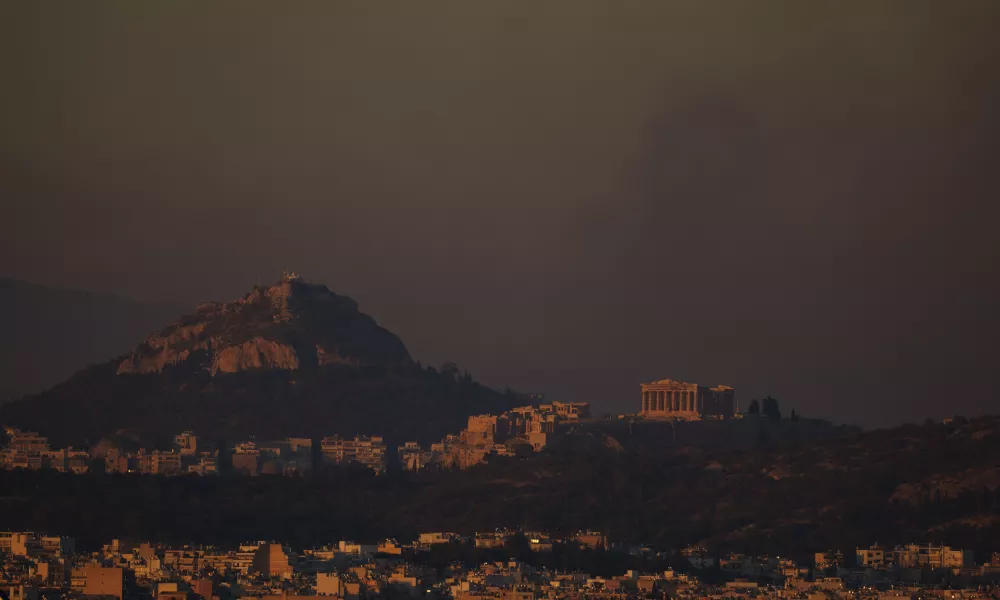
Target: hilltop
{"type": "Point", "coordinates": [292, 358]}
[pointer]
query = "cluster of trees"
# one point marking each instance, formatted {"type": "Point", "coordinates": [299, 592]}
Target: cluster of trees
{"type": "Point", "coordinates": [768, 407]}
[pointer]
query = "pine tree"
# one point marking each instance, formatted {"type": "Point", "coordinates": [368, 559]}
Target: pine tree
{"type": "Point", "coordinates": [769, 408]}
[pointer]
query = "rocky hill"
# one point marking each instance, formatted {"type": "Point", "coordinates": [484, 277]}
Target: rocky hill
{"type": "Point", "coordinates": [288, 359]}
{"type": "Point", "coordinates": [290, 326]}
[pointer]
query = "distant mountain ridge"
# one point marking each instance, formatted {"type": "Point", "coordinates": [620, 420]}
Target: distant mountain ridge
{"type": "Point", "coordinates": [292, 358]}
{"type": "Point", "coordinates": [49, 333]}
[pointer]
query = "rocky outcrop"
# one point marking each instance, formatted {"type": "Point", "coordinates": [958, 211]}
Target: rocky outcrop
{"type": "Point", "coordinates": [255, 354]}
{"type": "Point", "coordinates": [947, 485]}
{"type": "Point", "coordinates": [159, 351]}
{"type": "Point", "coordinates": [262, 330]}
{"type": "Point", "coordinates": [324, 358]}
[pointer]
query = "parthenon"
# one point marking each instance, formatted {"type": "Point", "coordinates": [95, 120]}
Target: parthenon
{"type": "Point", "coordinates": [681, 400]}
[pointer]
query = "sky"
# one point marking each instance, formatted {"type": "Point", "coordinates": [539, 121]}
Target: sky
{"type": "Point", "coordinates": [795, 199]}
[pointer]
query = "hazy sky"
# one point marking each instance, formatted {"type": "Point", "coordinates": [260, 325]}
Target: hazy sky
{"type": "Point", "coordinates": [797, 199]}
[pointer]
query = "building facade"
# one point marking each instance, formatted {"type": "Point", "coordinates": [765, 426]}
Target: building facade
{"type": "Point", "coordinates": [368, 451]}
{"type": "Point", "coordinates": [672, 399]}
{"type": "Point", "coordinates": [272, 560]}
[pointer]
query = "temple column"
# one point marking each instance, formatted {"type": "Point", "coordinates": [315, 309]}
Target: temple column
{"type": "Point", "coordinates": [659, 401]}
{"type": "Point", "coordinates": [684, 401]}
{"type": "Point", "coordinates": [663, 401]}
{"type": "Point", "coordinates": [643, 402]}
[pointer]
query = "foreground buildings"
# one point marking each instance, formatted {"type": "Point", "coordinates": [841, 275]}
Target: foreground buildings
{"type": "Point", "coordinates": [36, 567]}
{"type": "Point", "coordinates": [914, 556]}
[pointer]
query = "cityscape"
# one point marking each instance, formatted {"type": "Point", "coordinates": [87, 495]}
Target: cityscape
{"type": "Point", "coordinates": [494, 300]}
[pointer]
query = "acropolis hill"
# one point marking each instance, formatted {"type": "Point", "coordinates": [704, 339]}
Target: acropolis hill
{"type": "Point", "coordinates": [291, 358]}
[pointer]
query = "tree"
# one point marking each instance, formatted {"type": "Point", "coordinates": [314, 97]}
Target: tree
{"type": "Point", "coordinates": [769, 408]}
{"type": "Point", "coordinates": [754, 408]}
{"type": "Point", "coordinates": [224, 461]}
{"type": "Point", "coordinates": [793, 416]}
{"type": "Point", "coordinates": [451, 370]}
{"type": "Point", "coordinates": [523, 451]}
{"type": "Point", "coordinates": [316, 456]}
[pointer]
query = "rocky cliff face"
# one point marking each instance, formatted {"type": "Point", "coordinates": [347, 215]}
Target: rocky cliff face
{"type": "Point", "coordinates": [257, 353]}
{"type": "Point", "coordinates": [287, 326]}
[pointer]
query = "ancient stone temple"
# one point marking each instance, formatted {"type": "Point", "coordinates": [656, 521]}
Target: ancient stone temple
{"type": "Point", "coordinates": [681, 400]}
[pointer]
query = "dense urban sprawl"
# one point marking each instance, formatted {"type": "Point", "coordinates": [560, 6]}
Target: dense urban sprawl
{"type": "Point", "coordinates": [34, 566]}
